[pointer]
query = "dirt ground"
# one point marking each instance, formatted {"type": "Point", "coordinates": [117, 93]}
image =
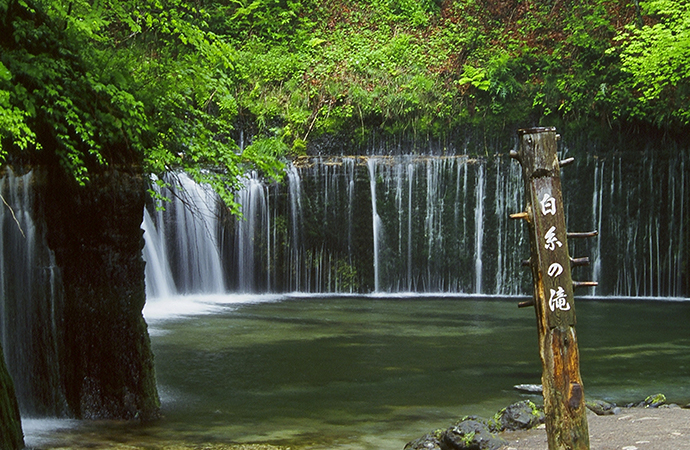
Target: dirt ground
{"type": "Point", "coordinates": [632, 429]}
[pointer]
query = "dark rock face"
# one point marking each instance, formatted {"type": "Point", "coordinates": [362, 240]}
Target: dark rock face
{"type": "Point", "coordinates": [11, 436]}
{"type": "Point", "coordinates": [107, 363]}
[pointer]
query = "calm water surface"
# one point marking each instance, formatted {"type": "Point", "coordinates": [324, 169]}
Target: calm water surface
{"type": "Point", "coordinates": [374, 372]}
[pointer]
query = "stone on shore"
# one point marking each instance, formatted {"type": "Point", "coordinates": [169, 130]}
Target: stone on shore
{"type": "Point", "coordinates": [522, 415]}
{"type": "Point", "coordinates": [472, 434]}
{"type": "Point", "coordinates": [480, 434]}
{"type": "Point", "coordinates": [602, 408]}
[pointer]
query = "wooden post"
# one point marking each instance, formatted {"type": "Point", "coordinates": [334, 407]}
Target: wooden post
{"type": "Point", "coordinates": [564, 400]}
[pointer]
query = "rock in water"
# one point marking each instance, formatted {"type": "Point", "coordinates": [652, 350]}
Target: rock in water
{"type": "Point", "coordinates": [531, 388]}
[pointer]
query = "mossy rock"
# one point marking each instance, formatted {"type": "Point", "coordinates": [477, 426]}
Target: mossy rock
{"type": "Point", "coordinates": [522, 415]}
{"type": "Point", "coordinates": [429, 441]}
{"type": "Point", "coordinates": [654, 401]}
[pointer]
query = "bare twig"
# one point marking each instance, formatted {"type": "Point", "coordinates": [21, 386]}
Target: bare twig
{"type": "Point", "coordinates": [13, 215]}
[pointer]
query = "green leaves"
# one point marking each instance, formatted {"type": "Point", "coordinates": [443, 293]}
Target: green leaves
{"type": "Point", "coordinates": [13, 120]}
{"type": "Point", "coordinates": [657, 56]}
{"type": "Point", "coordinates": [475, 77]}
{"type": "Point", "coordinates": [123, 82]}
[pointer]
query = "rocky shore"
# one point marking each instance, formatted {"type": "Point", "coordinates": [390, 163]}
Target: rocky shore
{"type": "Point", "coordinates": [651, 424]}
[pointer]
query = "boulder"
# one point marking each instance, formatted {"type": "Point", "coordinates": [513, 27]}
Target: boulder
{"type": "Point", "coordinates": [95, 233]}
{"type": "Point", "coordinates": [11, 436]}
{"type": "Point", "coordinates": [471, 434]}
{"type": "Point", "coordinates": [522, 415]}
{"type": "Point", "coordinates": [476, 433]}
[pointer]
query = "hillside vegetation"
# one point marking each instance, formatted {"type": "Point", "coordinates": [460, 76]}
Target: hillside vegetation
{"type": "Point", "coordinates": [189, 84]}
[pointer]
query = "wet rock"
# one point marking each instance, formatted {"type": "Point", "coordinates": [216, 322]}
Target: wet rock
{"type": "Point", "coordinates": [519, 416]}
{"type": "Point", "coordinates": [426, 442]}
{"type": "Point", "coordinates": [477, 433]}
{"type": "Point", "coordinates": [602, 408]}
{"type": "Point", "coordinates": [471, 434]}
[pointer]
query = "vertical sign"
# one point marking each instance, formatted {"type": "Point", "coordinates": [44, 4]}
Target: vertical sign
{"type": "Point", "coordinates": [564, 402]}
{"type": "Point", "coordinates": [553, 259]}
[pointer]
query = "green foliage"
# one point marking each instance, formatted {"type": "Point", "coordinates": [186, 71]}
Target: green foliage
{"type": "Point", "coordinates": [475, 77]}
{"type": "Point", "coordinates": [128, 83]}
{"type": "Point", "coordinates": [657, 56]}
{"type": "Point", "coordinates": [162, 84]}
{"type": "Point", "coordinates": [13, 120]}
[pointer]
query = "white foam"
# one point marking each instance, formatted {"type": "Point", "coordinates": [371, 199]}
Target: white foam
{"type": "Point", "coordinates": [175, 307]}
{"type": "Point", "coordinates": [38, 432]}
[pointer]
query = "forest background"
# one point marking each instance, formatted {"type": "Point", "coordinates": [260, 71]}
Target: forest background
{"type": "Point", "coordinates": [218, 87]}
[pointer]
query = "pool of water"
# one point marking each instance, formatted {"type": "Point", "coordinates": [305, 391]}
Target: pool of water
{"type": "Point", "coordinates": [373, 372]}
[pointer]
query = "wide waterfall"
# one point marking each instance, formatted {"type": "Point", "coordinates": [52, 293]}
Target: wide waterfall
{"type": "Point", "coordinates": [421, 224]}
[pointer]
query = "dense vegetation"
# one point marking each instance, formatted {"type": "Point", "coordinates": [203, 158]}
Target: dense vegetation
{"type": "Point", "coordinates": [170, 84]}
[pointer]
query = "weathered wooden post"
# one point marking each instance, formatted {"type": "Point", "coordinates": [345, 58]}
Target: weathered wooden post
{"type": "Point", "coordinates": [564, 401]}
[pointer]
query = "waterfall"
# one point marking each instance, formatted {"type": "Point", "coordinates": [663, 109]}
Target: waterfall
{"type": "Point", "coordinates": [376, 222]}
{"type": "Point", "coordinates": [31, 299]}
{"type": "Point", "coordinates": [597, 206]}
{"type": "Point", "coordinates": [353, 224]}
{"type": "Point", "coordinates": [410, 184]}
{"type": "Point", "coordinates": [159, 278]}
{"type": "Point", "coordinates": [182, 248]}
{"type": "Point", "coordinates": [255, 199]}
{"type": "Point", "coordinates": [295, 186]}
{"type": "Point", "coordinates": [434, 224]}
{"type": "Point", "coordinates": [479, 230]}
